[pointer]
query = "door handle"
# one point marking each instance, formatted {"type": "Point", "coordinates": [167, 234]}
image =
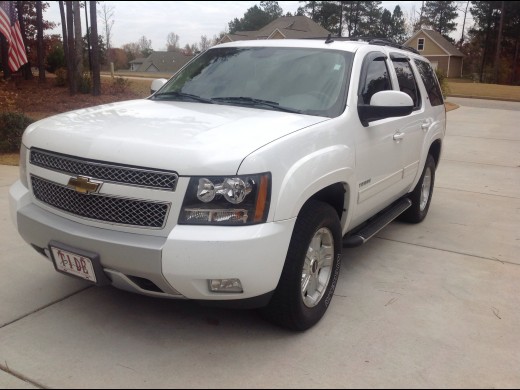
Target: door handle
{"type": "Point", "coordinates": [426, 125]}
{"type": "Point", "coordinates": [398, 136]}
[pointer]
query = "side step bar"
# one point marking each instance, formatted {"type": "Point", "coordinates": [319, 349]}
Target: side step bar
{"type": "Point", "coordinates": [376, 224]}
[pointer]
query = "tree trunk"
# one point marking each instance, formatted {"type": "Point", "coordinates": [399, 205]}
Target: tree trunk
{"type": "Point", "coordinates": [96, 78]}
{"type": "Point", "coordinates": [26, 68]}
{"type": "Point", "coordinates": [515, 61]}
{"type": "Point", "coordinates": [71, 70]}
{"type": "Point", "coordinates": [5, 57]}
{"type": "Point", "coordinates": [496, 67]}
{"type": "Point", "coordinates": [78, 46]}
{"type": "Point", "coordinates": [64, 32]}
{"type": "Point", "coordinates": [486, 43]}
{"type": "Point", "coordinates": [340, 19]}
{"type": "Point", "coordinates": [461, 42]}
{"type": "Point", "coordinates": [88, 39]}
{"type": "Point", "coordinates": [39, 27]}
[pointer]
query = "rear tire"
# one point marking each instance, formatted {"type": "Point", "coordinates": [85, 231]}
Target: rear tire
{"type": "Point", "coordinates": [311, 269]}
{"type": "Point", "coordinates": [421, 196]}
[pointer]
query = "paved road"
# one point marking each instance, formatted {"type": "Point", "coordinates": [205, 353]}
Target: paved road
{"type": "Point", "coordinates": [433, 305]}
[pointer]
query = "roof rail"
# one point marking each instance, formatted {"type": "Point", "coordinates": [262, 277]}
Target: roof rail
{"type": "Point", "coordinates": [371, 41]}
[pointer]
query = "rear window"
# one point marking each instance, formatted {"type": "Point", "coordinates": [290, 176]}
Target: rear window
{"type": "Point", "coordinates": [430, 82]}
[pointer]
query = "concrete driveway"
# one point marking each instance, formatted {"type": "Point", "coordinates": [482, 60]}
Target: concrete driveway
{"type": "Point", "coordinates": [431, 305]}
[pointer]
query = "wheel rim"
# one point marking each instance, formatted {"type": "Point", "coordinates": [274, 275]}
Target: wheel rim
{"type": "Point", "coordinates": [426, 188]}
{"type": "Point", "coordinates": [317, 268]}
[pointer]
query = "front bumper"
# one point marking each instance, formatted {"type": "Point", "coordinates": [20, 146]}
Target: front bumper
{"type": "Point", "coordinates": [178, 266]}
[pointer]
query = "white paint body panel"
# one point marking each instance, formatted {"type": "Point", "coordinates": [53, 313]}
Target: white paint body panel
{"type": "Point", "coordinates": [304, 154]}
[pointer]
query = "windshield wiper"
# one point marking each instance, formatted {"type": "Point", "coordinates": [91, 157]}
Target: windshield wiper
{"type": "Point", "coordinates": [254, 102]}
{"type": "Point", "coordinates": [181, 96]}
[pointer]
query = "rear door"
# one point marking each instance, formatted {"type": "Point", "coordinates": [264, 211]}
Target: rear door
{"type": "Point", "coordinates": [414, 126]}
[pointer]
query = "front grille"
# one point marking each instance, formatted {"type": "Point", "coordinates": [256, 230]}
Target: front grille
{"type": "Point", "coordinates": [122, 211]}
{"type": "Point", "coordinates": [105, 171]}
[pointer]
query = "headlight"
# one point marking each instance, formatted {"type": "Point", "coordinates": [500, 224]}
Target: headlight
{"type": "Point", "coordinates": [237, 200]}
{"type": "Point", "coordinates": [23, 166]}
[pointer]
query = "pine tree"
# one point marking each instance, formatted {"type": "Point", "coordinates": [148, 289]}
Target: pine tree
{"type": "Point", "coordinates": [441, 15]}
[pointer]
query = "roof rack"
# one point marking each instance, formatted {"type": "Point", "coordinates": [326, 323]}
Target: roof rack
{"type": "Point", "coordinates": [371, 41]}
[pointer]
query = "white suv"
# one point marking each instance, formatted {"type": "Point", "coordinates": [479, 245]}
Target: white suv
{"type": "Point", "coordinates": [240, 180]}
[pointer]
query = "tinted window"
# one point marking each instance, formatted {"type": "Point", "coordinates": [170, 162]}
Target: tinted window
{"type": "Point", "coordinates": [430, 82]}
{"type": "Point", "coordinates": [407, 83]}
{"type": "Point", "coordinates": [312, 81]}
{"type": "Point", "coordinates": [377, 79]}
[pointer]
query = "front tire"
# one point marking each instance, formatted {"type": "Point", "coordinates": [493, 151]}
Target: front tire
{"type": "Point", "coordinates": [311, 269]}
{"type": "Point", "coordinates": [421, 196]}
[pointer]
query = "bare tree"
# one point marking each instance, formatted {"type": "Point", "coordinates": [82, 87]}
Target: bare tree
{"type": "Point", "coordinates": [464, 9]}
{"type": "Point", "coordinates": [106, 14]}
{"type": "Point", "coordinates": [145, 46]}
{"type": "Point", "coordinates": [411, 21]}
{"type": "Point", "coordinates": [96, 78]}
{"type": "Point", "coordinates": [172, 42]}
{"type": "Point", "coordinates": [205, 43]}
{"type": "Point", "coordinates": [39, 28]}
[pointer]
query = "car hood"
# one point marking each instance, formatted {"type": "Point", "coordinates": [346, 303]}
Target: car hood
{"type": "Point", "coordinates": [189, 138]}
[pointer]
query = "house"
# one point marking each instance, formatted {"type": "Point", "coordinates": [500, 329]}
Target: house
{"type": "Point", "coordinates": [286, 27]}
{"type": "Point", "coordinates": [135, 64]}
{"type": "Point", "coordinates": [161, 62]}
{"type": "Point", "coordinates": [441, 53]}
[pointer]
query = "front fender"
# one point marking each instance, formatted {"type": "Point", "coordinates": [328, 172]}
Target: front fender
{"type": "Point", "coordinates": [309, 175]}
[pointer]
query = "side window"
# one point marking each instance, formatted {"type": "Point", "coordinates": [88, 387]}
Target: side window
{"type": "Point", "coordinates": [377, 79]}
{"type": "Point", "coordinates": [420, 44]}
{"type": "Point", "coordinates": [407, 83]}
{"type": "Point", "coordinates": [430, 82]}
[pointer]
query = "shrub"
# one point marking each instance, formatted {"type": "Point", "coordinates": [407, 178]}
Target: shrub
{"type": "Point", "coordinates": [55, 59]}
{"type": "Point", "coordinates": [12, 126]}
{"type": "Point", "coordinates": [61, 77]}
{"type": "Point", "coordinates": [85, 83]}
{"type": "Point", "coordinates": [119, 85]}
{"type": "Point", "coordinates": [443, 82]}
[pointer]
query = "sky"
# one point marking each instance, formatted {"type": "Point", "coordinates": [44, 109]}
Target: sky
{"type": "Point", "coordinates": [188, 19]}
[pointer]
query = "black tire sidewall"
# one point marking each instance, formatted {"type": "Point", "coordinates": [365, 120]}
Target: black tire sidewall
{"type": "Point", "coordinates": [287, 306]}
{"type": "Point", "coordinates": [414, 214]}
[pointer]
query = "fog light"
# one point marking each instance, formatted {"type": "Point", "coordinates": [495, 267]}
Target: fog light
{"type": "Point", "coordinates": [225, 285]}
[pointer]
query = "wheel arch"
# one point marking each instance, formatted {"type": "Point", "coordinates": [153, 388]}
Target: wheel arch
{"type": "Point", "coordinates": [435, 151]}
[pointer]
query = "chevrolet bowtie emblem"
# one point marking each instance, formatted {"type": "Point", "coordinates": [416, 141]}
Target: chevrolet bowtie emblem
{"type": "Point", "coordinates": [84, 185]}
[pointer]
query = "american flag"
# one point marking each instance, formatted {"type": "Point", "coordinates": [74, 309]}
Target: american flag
{"type": "Point", "coordinates": [10, 29]}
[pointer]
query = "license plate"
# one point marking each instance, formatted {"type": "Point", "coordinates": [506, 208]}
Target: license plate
{"type": "Point", "coordinates": [74, 264]}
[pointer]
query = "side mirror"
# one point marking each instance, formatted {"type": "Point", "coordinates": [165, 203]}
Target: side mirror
{"type": "Point", "coordinates": [385, 104]}
{"type": "Point", "coordinates": [157, 84]}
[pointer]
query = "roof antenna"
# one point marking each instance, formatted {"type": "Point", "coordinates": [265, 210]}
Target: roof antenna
{"type": "Point", "coordinates": [329, 39]}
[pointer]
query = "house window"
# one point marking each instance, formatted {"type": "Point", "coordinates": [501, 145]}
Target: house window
{"type": "Point", "coordinates": [420, 44]}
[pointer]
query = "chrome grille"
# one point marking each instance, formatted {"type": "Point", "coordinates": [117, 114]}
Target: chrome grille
{"type": "Point", "coordinates": [101, 208]}
{"type": "Point", "coordinates": [105, 171]}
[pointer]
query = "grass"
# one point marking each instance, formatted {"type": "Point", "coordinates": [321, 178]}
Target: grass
{"type": "Point", "coordinates": [467, 88]}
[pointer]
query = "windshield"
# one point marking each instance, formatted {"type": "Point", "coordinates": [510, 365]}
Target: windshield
{"type": "Point", "coordinates": [303, 80]}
